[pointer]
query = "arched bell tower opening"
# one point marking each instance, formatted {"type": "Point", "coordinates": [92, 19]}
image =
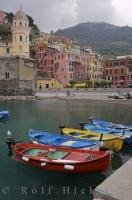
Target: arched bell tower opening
{"type": "Point", "coordinates": [20, 35]}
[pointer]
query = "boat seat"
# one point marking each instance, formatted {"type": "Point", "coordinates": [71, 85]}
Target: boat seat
{"type": "Point", "coordinates": [35, 152]}
{"type": "Point", "coordinates": [57, 154]}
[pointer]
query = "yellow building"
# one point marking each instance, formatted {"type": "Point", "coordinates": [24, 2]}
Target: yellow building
{"type": "Point", "coordinates": [95, 69]}
{"type": "Point", "coordinates": [43, 83]}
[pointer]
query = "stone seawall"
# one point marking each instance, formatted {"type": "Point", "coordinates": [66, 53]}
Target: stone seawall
{"type": "Point", "coordinates": [3, 98]}
{"type": "Point", "coordinates": [118, 186]}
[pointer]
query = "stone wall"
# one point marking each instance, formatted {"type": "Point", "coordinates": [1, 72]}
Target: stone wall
{"type": "Point", "coordinates": [17, 76]}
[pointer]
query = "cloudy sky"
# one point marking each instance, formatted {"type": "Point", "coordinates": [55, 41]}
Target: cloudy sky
{"type": "Point", "coordinates": [57, 14]}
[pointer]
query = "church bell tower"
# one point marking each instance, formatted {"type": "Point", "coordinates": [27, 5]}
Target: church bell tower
{"type": "Point", "coordinates": [20, 35]}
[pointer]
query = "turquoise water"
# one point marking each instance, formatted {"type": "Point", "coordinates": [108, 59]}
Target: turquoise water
{"type": "Point", "coordinates": [19, 181]}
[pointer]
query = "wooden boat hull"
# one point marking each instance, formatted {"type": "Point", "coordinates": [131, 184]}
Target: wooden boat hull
{"type": "Point", "coordinates": [107, 124]}
{"type": "Point", "coordinates": [113, 144]}
{"type": "Point", "coordinates": [4, 114]}
{"type": "Point", "coordinates": [100, 164]}
{"type": "Point", "coordinates": [126, 134]}
{"type": "Point", "coordinates": [55, 139]}
{"type": "Point", "coordinates": [110, 141]}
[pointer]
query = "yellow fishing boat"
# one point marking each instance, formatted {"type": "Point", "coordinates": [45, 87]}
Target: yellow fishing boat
{"type": "Point", "coordinates": [110, 141]}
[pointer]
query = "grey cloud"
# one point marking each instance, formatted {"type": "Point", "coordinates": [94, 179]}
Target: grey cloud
{"type": "Point", "coordinates": [55, 14]}
{"type": "Point", "coordinates": [96, 10]}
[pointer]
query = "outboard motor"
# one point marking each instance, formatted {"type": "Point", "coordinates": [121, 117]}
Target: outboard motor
{"type": "Point", "coordinates": [61, 126]}
{"type": "Point", "coordinates": [123, 132]}
{"type": "Point", "coordinates": [81, 125]}
{"type": "Point", "coordinates": [91, 120]}
{"type": "Point", "coordinates": [10, 141]}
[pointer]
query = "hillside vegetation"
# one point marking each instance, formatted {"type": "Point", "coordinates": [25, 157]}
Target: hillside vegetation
{"type": "Point", "coordinates": [107, 39]}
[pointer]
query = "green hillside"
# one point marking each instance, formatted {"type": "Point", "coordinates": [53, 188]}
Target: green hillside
{"type": "Point", "coordinates": [107, 39]}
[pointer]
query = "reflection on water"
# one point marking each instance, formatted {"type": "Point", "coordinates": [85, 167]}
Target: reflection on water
{"type": "Point", "coordinates": [19, 181]}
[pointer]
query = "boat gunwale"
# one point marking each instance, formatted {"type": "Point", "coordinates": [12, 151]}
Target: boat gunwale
{"type": "Point", "coordinates": [105, 154]}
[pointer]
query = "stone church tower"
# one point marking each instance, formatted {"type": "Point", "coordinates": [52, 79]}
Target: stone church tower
{"type": "Point", "coordinates": [20, 35]}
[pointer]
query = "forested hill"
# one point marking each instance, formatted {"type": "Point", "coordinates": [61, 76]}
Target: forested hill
{"type": "Point", "coordinates": [107, 39]}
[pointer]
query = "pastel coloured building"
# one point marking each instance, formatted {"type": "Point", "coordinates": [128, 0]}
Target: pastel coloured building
{"type": "Point", "coordinates": [118, 70]}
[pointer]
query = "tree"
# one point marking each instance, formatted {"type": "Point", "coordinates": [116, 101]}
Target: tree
{"type": "Point", "coordinates": [72, 83]}
{"type": "Point", "coordinates": [34, 27]}
{"type": "Point", "coordinates": [9, 17]}
{"type": "Point", "coordinates": [88, 83]}
{"type": "Point", "coordinates": [5, 32]}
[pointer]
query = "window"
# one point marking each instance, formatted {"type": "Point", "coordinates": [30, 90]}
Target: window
{"type": "Point", "coordinates": [130, 69]}
{"type": "Point", "coordinates": [122, 71]}
{"type": "Point", "coordinates": [20, 38]}
{"type": "Point", "coordinates": [7, 50]}
{"type": "Point", "coordinates": [115, 71]}
{"type": "Point", "coordinates": [20, 23]}
{"type": "Point", "coordinates": [7, 75]}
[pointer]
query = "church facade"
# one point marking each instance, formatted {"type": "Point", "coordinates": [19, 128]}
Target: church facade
{"type": "Point", "coordinates": [17, 69]}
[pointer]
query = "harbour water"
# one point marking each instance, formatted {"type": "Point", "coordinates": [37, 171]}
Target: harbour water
{"type": "Point", "coordinates": [19, 181]}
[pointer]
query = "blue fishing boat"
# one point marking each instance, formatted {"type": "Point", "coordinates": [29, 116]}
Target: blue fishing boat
{"type": "Point", "coordinates": [100, 126]}
{"type": "Point", "coordinates": [4, 114]}
{"type": "Point", "coordinates": [107, 124]}
{"type": "Point", "coordinates": [55, 139]}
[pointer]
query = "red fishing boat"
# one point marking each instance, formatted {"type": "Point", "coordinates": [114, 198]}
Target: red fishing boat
{"type": "Point", "coordinates": [61, 159]}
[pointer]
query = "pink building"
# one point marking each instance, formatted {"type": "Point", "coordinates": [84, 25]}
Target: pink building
{"type": "Point", "coordinates": [62, 61]}
{"type": "Point", "coordinates": [63, 69]}
{"type": "Point", "coordinates": [71, 65]}
{"type": "Point", "coordinates": [2, 17]}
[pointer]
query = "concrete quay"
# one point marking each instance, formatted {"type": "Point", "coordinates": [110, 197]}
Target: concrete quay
{"type": "Point", "coordinates": [118, 186]}
{"type": "Point", "coordinates": [89, 94]}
